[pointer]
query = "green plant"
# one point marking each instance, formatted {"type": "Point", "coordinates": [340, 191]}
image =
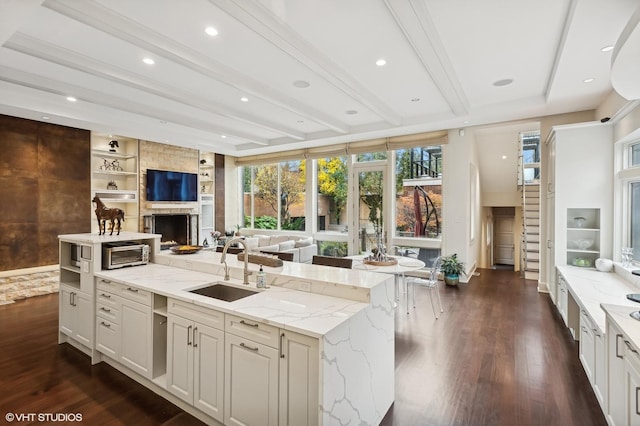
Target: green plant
{"type": "Point", "coordinates": [452, 266]}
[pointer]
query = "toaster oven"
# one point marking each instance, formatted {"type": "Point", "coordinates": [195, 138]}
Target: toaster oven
{"type": "Point", "coordinates": [124, 253]}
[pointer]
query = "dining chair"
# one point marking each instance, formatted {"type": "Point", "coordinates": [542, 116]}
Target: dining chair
{"type": "Point", "coordinates": [340, 262]}
{"type": "Point", "coordinates": [427, 278]}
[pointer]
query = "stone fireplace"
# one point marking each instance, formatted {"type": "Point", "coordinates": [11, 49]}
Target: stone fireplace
{"type": "Point", "coordinates": [181, 228]}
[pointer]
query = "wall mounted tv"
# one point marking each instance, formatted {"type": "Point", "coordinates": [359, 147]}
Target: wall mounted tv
{"type": "Point", "coordinates": [163, 185]}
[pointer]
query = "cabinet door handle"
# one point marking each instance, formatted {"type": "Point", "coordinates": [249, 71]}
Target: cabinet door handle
{"type": "Point", "coordinates": [248, 347]}
{"type": "Point", "coordinates": [626, 342]}
{"type": "Point", "coordinates": [195, 343]}
{"type": "Point", "coordinates": [189, 335]}
{"type": "Point", "coordinates": [105, 309]}
{"type": "Point", "coordinates": [108, 296]}
{"type": "Point", "coordinates": [618, 336]}
{"type": "Point", "coordinates": [637, 412]}
{"type": "Point", "coordinates": [548, 244]}
{"type": "Point", "coordinates": [134, 290]}
{"type": "Point", "coordinates": [105, 324]}
{"type": "Point", "coordinates": [70, 298]}
{"type": "Point", "coordinates": [106, 281]}
{"type": "Point", "coordinates": [249, 324]}
{"type": "Point", "coordinates": [595, 331]}
{"type": "Point", "coordinates": [282, 345]}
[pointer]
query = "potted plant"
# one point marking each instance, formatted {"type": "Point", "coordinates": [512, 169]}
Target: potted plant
{"type": "Point", "coordinates": [451, 269]}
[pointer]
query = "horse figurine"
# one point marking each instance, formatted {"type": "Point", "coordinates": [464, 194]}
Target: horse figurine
{"type": "Point", "coordinates": [103, 213]}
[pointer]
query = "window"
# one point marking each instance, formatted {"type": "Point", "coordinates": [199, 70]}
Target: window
{"type": "Point", "coordinates": [629, 179]}
{"type": "Point", "coordinates": [333, 187]}
{"type": "Point", "coordinates": [419, 192]}
{"type": "Point", "coordinates": [274, 196]}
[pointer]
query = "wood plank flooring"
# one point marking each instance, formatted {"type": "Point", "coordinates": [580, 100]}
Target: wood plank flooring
{"type": "Point", "coordinates": [498, 355]}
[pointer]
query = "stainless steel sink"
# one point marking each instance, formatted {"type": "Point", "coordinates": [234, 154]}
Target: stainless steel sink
{"type": "Point", "coordinates": [223, 292]}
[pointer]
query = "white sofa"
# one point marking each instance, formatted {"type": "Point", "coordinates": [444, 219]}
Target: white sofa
{"type": "Point", "coordinates": [302, 247]}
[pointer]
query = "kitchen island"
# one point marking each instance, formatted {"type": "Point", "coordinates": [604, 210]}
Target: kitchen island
{"type": "Point", "coordinates": [316, 347]}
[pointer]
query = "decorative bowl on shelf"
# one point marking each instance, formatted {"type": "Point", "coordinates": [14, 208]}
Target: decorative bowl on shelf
{"type": "Point", "coordinates": [579, 221]}
{"type": "Point", "coordinates": [584, 244]}
{"type": "Point", "coordinates": [582, 262]}
{"type": "Point", "coordinates": [187, 249]}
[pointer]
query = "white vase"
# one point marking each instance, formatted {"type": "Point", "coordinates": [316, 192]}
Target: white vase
{"type": "Point", "coordinates": [604, 265]}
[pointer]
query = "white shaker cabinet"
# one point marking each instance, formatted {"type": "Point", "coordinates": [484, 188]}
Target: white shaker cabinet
{"type": "Point", "coordinates": [195, 357]}
{"type": "Point", "coordinates": [617, 391]}
{"type": "Point", "coordinates": [76, 308]}
{"type": "Point", "coordinates": [251, 372]}
{"type": "Point", "coordinates": [136, 342]}
{"type": "Point", "coordinates": [299, 374]}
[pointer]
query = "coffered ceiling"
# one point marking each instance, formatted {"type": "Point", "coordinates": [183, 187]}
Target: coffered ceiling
{"type": "Point", "coordinates": [285, 74]}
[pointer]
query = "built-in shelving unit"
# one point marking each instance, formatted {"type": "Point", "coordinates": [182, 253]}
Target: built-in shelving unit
{"type": "Point", "coordinates": [114, 177]}
{"type": "Point", "coordinates": [206, 180]}
{"type": "Point", "coordinates": [583, 236]}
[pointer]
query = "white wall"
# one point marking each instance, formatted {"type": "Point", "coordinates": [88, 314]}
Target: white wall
{"type": "Point", "coordinates": [458, 157]}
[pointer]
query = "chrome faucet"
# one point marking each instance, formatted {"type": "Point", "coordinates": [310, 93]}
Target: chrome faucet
{"type": "Point", "coordinates": [223, 259]}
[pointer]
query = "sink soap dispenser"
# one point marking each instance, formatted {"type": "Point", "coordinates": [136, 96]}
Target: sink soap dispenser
{"type": "Point", "coordinates": [261, 280]}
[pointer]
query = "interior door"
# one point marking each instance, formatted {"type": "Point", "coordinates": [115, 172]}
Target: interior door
{"type": "Point", "coordinates": [503, 237]}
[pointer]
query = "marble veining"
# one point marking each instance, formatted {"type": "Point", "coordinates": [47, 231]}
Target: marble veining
{"type": "Point", "coordinates": [590, 288]}
{"type": "Point", "coordinates": [620, 317]}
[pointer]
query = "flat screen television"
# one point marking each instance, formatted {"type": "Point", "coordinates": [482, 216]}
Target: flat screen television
{"type": "Point", "coordinates": [163, 185]}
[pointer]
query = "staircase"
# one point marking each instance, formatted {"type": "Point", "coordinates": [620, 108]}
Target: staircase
{"type": "Point", "coordinates": [531, 231]}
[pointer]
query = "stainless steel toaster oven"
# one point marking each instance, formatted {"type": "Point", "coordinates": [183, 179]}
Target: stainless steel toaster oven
{"type": "Point", "coordinates": [124, 253]}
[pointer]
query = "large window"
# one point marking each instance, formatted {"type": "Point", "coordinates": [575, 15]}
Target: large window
{"type": "Point", "coordinates": [419, 192]}
{"type": "Point", "coordinates": [333, 187]}
{"type": "Point", "coordinates": [629, 179]}
{"type": "Point", "coordinates": [274, 196]}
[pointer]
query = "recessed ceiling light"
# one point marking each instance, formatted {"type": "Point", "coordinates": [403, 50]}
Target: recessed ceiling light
{"type": "Point", "coordinates": [71, 99]}
{"type": "Point", "coordinates": [351, 112]}
{"type": "Point", "coordinates": [606, 48]}
{"type": "Point", "coordinates": [148, 61]}
{"type": "Point", "coordinates": [46, 117]}
{"type": "Point", "coordinates": [587, 80]}
{"type": "Point", "coordinates": [465, 122]}
{"type": "Point", "coordinates": [381, 62]}
{"type": "Point", "coordinates": [415, 99]}
{"type": "Point", "coordinates": [223, 136]}
{"type": "Point", "coordinates": [503, 82]}
{"type": "Point", "coordinates": [211, 31]}
{"type": "Point", "coordinates": [504, 157]}
{"type": "Point", "coordinates": [244, 99]}
{"type": "Point", "coordinates": [301, 84]}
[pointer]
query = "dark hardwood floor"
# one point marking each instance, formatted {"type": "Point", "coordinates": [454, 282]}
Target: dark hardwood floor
{"type": "Point", "coordinates": [498, 355]}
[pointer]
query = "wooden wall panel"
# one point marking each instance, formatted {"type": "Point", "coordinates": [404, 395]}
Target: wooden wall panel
{"type": "Point", "coordinates": [45, 190]}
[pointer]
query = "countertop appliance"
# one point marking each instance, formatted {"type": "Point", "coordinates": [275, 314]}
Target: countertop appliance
{"type": "Point", "coordinates": [124, 253]}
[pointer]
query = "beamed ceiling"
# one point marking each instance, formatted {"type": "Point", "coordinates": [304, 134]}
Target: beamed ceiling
{"type": "Point", "coordinates": [306, 68]}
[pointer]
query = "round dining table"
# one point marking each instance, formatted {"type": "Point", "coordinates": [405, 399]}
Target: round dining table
{"type": "Point", "coordinates": [404, 265]}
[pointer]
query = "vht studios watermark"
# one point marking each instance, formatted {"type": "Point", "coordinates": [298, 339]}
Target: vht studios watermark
{"type": "Point", "coordinates": [43, 417]}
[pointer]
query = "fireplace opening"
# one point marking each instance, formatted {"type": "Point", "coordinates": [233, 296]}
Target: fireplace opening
{"type": "Point", "coordinates": [181, 228]}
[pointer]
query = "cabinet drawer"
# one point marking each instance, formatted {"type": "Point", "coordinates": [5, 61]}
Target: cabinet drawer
{"type": "Point", "coordinates": [107, 312]}
{"type": "Point", "coordinates": [107, 299]}
{"type": "Point", "coordinates": [203, 315]}
{"type": "Point", "coordinates": [136, 295]}
{"type": "Point", "coordinates": [253, 330]}
{"type": "Point", "coordinates": [108, 285]}
{"type": "Point", "coordinates": [107, 337]}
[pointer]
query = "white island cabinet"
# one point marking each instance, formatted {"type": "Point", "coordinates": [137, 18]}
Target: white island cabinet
{"type": "Point", "coordinates": [305, 351]}
{"type": "Point", "coordinates": [80, 258]}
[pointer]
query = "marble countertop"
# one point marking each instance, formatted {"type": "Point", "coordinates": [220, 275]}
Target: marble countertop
{"type": "Point", "coordinates": [94, 238]}
{"type": "Point", "coordinates": [303, 312]}
{"type": "Point", "coordinates": [336, 276]}
{"type": "Point", "coordinates": [620, 317]}
{"type": "Point", "coordinates": [591, 288]}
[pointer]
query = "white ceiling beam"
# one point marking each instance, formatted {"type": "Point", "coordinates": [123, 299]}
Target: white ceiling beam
{"type": "Point", "coordinates": [414, 20]}
{"type": "Point", "coordinates": [49, 52]}
{"type": "Point", "coordinates": [263, 22]}
{"type": "Point", "coordinates": [100, 17]}
{"type": "Point", "coordinates": [560, 47]}
{"type": "Point", "coordinates": [45, 84]}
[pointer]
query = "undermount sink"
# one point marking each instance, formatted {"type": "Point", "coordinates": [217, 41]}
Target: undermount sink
{"type": "Point", "coordinates": [224, 292]}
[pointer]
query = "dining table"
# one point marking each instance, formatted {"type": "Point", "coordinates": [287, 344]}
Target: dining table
{"type": "Point", "coordinates": [403, 265]}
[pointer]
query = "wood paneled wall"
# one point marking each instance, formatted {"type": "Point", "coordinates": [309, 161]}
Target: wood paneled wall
{"type": "Point", "coordinates": [45, 190]}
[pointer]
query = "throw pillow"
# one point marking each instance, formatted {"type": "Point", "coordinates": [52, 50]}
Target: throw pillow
{"type": "Point", "coordinates": [287, 245]}
{"type": "Point", "coordinates": [304, 242]}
